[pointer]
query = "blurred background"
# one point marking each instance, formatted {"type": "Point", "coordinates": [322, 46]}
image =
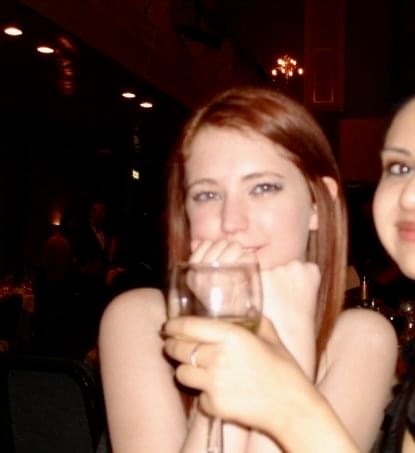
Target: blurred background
{"type": "Point", "coordinates": [93, 95]}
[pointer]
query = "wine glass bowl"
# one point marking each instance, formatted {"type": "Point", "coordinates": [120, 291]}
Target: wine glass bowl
{"type": "Point", "coordinates": [231, 292]}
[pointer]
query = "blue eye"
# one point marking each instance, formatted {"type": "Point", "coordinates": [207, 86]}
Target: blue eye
{"type": "Point", "coordinates": [397, 169]}
{"type": "Point", "coordinates": [263, 188]}
{"type": "Point", "coordinates": [206, 196]}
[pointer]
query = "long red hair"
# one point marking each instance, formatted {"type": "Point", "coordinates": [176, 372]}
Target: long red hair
{"type": "Point", "coordinates": [287, 123]}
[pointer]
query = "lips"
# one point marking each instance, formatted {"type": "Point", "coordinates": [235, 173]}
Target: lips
{"type": "Point", "coordinates": [406, 231]}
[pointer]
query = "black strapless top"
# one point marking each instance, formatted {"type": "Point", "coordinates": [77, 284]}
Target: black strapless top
{"type": "Point", "coordinates": [400, 414]}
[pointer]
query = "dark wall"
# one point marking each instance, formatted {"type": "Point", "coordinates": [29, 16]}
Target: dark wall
{"type": "Point", "coordinates": [368, 70]}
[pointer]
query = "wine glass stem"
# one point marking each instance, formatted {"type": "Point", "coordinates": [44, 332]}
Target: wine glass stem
{"type": "Point", "coordinates": [214, 441]}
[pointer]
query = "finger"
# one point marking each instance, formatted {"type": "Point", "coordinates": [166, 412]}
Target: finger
{"type": "Point", "coordinates": [224, 252]}
{"type": "Point", "coordinates": [235, 253]}
{"type": "Point", "coordinates": [267, 332]}
{"type": "Point", "coordinates": [200, 250]}
{"type": "Point", "coordinates": [183, 351]}
{"type": "Point", "coordinates": [193, 377]}
{"type": "Point", "coordinates": [230, 252]}
{"type": "Point", "coordinates": [221, 251]}
{"type": "Point", "coordinates": [194, 244]}
{"type": "Point", "coordinates": [205, 404]}
{"type": "Point", "coordinates": [209, 251]}
{"type": "Point", "coordinates": [248, 256]}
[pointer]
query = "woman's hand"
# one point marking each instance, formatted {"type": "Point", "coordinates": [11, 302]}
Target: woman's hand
{"type": "Point", "coordinates": [221, 251]}
{"type": "Point", "coordinates": [289, 296]}
{"type": "Point", "coordinates": [289, 290]}
{"type": "Point", "coordinates": [254, 381]}
{"type": "Point", "coordinates": [236, 370]}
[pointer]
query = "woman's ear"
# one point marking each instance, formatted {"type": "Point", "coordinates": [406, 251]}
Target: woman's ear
{"type": "Point", "coordinates": [331, 185]}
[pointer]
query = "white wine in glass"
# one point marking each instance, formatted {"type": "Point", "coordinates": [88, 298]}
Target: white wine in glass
{"type": "Point", "coordinates": [229, 292]}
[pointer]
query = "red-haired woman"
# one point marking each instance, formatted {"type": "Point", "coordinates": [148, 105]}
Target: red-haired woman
{"type": "Point", "coordinates": [253, 175]}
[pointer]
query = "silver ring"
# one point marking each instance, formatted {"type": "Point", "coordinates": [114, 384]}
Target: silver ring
{"type": "Point", "coordinates": [193, 359]}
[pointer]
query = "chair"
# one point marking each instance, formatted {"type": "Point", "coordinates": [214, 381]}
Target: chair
{"type": "Point", "coordinates": [49, 405]}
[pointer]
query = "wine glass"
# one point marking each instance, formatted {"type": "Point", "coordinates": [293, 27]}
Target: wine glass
{"type": "Point", "coordinates": [230, 292]}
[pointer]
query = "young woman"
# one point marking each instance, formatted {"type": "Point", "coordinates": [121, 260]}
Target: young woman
{"type": "Point", "coordinates": [253, 176]}
{"type": "Point", "coordinates": [394, 215]}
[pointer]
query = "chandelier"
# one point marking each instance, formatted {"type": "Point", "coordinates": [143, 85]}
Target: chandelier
{"type": "Point", "coordinates": [286, 67]}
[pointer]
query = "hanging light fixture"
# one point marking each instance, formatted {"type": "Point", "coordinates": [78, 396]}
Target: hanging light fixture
{"type": "Point", "coordinates": [286, 67]}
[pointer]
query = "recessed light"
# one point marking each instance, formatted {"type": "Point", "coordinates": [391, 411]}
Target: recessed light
{"type": "Point", "coordinates": [45, 49]}
{"type": "Point", "coordinates": [146, 105]}
{"type": "Point", "coordinates": [128, 95]}
{"type": "Point", "coordinates": [13, 31]}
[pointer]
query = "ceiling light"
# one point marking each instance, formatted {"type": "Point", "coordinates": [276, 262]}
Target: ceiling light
{"type": "Point", "coordinates": [146, 105]}
{"type": "Point", "coordinates": [128, 95]}
{"type": "Point", "coordinates": [45, 49]}
{"type": "Point", "coordinates": [13, 31]}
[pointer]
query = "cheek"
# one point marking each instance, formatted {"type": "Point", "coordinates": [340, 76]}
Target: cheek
{"type": "Point", "coordinates": [203, 225]}
{"type": "Point", "coordinates": [377, 210]}
{"type": "Point", "coordinates": [291, 221]}
{"type": "Point", "coordinates": [385, 213]}
{"type": "Point", "coordinates": [288, 233]}
{"type": "Point", "coordinates": [382, 204]}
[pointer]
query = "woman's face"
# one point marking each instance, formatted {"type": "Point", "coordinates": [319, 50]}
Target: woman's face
{"type": "Point", "coordinates": [241, 188]}
{"type": "Point", "coordinates": [394, 202]}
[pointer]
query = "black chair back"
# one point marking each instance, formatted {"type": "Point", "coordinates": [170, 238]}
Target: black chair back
{"type": "Point", "coordinates": [49, 405]}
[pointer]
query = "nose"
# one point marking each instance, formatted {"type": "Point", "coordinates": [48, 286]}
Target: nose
{"type": "Point", "coordinates": [407, 197]}
{"type": "Point", "coordinates": [234, 216]}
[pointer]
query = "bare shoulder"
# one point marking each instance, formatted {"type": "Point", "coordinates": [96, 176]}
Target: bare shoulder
{"type": "Point", "coordinates": [363, 341]}
{"type": "Point", "coordinates": [363, 327]}
{"type": "Point", "coordinates": [136, 305]}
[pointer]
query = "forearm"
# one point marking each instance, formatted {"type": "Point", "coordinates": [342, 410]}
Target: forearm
{"type": "Point", "coordinates": [303, 349]}
{"type": "Point", "coordinates": [300, 342]}
{"type": "Point", "coordinates": [309, 425]}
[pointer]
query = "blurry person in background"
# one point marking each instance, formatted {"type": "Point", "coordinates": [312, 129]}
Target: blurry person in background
{"type": "Point", "coordinates": [94, 248]}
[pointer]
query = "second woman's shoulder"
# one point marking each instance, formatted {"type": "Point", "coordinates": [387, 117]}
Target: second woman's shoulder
{"type": "Point", "coordinates": [365, 327]}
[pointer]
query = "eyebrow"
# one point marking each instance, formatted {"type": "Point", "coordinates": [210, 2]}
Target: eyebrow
{"type": "Point", "coordinates": [248, 177]}
{"type": "Point", "coordinates": [201, 181]}
{"type": "Point", "coordinates": [396, 150]}
{"type": "Point", "coordinates": [262, 175]}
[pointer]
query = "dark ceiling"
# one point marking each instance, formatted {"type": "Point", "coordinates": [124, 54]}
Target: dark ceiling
{"type": "Point", "coordinates": [79, 89]}
{"type": "Point", "coordinates": [75, 70]}
{"type": "Point", "coordinates": [84, 86]}
{"type": "Point", "coordinates": [267, 29]}
{"type": "Point", "coordinates": [75, 93]}
{"type": "Point", "coordinates": [30, 80]}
